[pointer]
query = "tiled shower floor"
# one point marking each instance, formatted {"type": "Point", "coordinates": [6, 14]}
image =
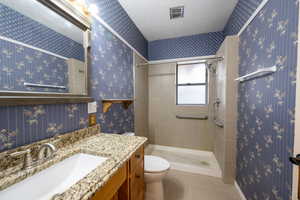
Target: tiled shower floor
{"type": "Point", "coordinates": [199, 162]}
{"type": "Point", "coordinates": [190, 177]}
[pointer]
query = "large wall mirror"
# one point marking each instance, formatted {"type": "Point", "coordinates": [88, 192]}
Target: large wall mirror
{"type": "Point", "coordinates": [43, 50]}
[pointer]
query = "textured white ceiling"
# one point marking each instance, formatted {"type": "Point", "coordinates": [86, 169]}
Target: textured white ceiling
{"type": "Point", "coordinates": [201, 16]}
{"type": "Point", "coordinates": [47, 17]}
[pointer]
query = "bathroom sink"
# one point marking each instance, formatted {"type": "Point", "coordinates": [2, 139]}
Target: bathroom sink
{"type": "Point", "coordinates": [53, 180]}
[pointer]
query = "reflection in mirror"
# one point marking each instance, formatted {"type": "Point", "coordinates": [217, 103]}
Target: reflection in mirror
{"type": "Point", "coordinates": [40, 51]}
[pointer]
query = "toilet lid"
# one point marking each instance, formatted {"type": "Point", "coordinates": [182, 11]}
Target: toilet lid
{"type": "Point", "coordinates": [156, 164]}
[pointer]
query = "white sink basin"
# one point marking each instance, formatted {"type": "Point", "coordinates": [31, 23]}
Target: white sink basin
{"type": "Point", "coordinates": [53, 180]}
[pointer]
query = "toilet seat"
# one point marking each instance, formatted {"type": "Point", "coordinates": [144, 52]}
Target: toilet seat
{"type": "Point", "coordinates": [154, 164]}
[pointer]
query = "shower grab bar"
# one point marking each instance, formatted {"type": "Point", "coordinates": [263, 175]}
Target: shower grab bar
{"type": "Point", "coordinates": [44, 86]}
{"type": "Point", "coordinates": [190, 117]}
{"type": "Point", "coordinates": [257, 73]}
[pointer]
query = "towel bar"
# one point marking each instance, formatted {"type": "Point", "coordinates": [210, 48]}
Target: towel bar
{"type": "Point", "coordinates": [192, 117]}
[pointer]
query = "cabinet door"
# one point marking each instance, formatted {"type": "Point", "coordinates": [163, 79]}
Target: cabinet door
{"type": "Point", "coordinates": [137, 184]}
{"type": "Point", "coordinates": [115, 197]}
{"type": "Point", "coordinates": [136, 159]}
{"type": "Point", "coordinates": [110, 189]}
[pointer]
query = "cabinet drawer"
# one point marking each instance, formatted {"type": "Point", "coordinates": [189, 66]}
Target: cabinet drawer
{"type": "Point", "coordinates": [136, 159]}
{"type": "Point", "coordinates": [137, 184]}
{"type": "Point", "coordinates": [108, 191]}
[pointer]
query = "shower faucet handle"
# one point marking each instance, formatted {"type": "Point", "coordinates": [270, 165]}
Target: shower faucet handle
{"type": "Point", "coordinates": [217, 101]}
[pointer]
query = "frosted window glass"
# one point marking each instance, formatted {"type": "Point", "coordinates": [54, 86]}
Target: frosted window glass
{"type": "Point", "coordinates": [195, 73]}
{"type": "Point", "coordinates": [191, 94]}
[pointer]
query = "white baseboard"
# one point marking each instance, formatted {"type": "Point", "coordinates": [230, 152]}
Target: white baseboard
{"type": "Point", "coordinates": [240, 191]}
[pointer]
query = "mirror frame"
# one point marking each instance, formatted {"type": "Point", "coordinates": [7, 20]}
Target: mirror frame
{"type": "Point", "coordinates": [72, 14]}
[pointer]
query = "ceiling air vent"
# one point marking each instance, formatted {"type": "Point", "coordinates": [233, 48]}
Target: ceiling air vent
{"type": "Point", "coordinates": [177, 12]}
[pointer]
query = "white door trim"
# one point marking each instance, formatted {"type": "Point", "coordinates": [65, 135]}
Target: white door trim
{"type": "Point", "coordinates": [297, 122]}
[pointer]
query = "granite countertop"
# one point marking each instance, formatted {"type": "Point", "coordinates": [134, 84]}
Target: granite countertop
{"type": "Point", "coordinates": [116, 148]}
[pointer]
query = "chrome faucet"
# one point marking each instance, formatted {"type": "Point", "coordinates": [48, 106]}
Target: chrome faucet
{"type": "Point", "coordinates": [27, 163]}
{"type": "Point", "coordinates": [46, 151]}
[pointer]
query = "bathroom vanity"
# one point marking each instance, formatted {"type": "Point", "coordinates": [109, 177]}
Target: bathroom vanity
{"type": "Point", "coordinates": [127, 183]}
{"type": "Point", "coordinates": [115, 162]}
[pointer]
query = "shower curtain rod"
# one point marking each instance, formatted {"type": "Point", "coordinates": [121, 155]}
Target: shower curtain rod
{"type": "Point", "coordinates": [218, 58]}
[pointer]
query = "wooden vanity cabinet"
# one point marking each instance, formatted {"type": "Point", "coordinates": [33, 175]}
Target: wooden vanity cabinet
{"type": "Point", "coordinates": [127, 183]}
{"type": "Point", "coordinates": [110, 189]}
{"type": "Point", "coordinates": [136, 175]}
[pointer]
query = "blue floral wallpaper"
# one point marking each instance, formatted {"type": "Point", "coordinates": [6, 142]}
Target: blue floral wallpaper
{"type": "Point", "coordinates": [21, 125]}
{"type": "Point", "coordinates": [18, 27]}
{"type": "Point", "coordinates": [188, 46]}
{"type": "Point", "coordinates": [111, 78]}
{"type": "Point", "coordinates": [266, 105]}
{"type": "Point", "coordinates": [113, 14]}
{"type": "Point", "coordinates": [242, 12]}
{"type": "Point", "coordinates": [19, 64]}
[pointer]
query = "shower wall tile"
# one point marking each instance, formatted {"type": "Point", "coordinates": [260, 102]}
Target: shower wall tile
{"type": "Point", "coordinates": [267, 104]}
{"type": "Point", "coordinates": [188, 46]}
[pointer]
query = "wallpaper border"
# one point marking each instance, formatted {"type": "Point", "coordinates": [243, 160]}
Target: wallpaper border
{"type": "Point", "coordinates": [110, 29]}
{"type": "Point", "coordinates": [253, 16]}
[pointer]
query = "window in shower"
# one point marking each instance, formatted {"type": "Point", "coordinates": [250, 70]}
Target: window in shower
{"type": "Point", "coordinates": [191, 84]}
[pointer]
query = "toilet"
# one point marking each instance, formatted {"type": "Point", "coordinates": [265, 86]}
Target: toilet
{"type": "Point", "coordinates": [156, 169]}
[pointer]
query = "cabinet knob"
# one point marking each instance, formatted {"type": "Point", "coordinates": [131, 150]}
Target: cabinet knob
{"type": "Point", "coordinates": [138, 156]}
{"type": "Point", "coordinates": [137, 176]}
